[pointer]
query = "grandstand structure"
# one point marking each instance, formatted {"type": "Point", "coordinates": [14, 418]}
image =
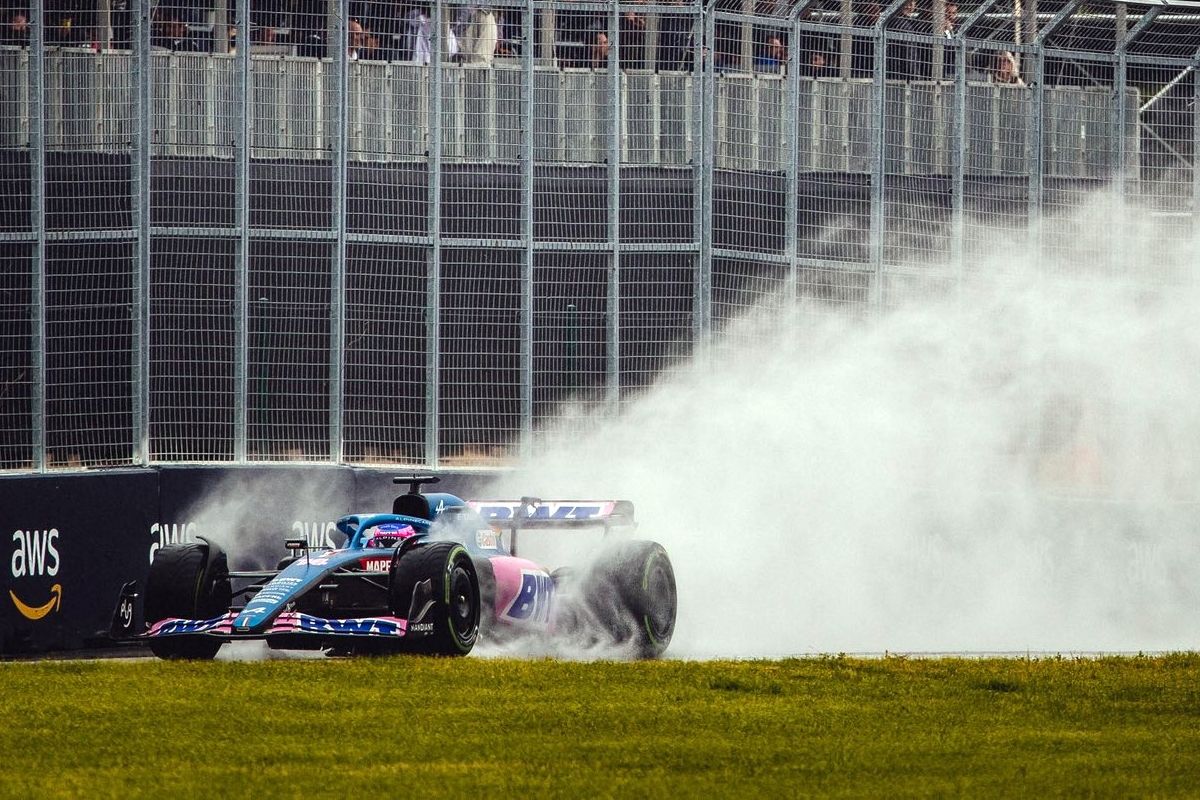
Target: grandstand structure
{"type": "Point", "coordinates": [253, 254]}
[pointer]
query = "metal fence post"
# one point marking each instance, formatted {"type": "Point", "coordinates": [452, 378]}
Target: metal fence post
{"type": "Point", "coordinates": [1037, 167]}
{"type": "Point", "coordinates": [527, 112]}
{"type": "Point", "coordinates": [1117, 114]}
{"type": "Point", "coordinates": [241, 221]}
{"type": "Point", "coordinates": [140, 185]}
{"type": "Point", "coordinates": [1196, 150]}
{"type": "Point", "coordinates": [706, 101]}
{"type": "Point", "coordinates": [958, 160]}
{"type": "Point", "coordinates": [612, 394]}
{"type": "Point", "coordinates": [1037, 176]}
{"type": "Point", "coordinates": [792, 166]}
{"type": "Point", "coordinates": [433, 303]}
{"type": "Point", "coordinates": [879, 150]}
{"type": "Point", "coordinates": [37, 218]}
{"type": "Point", "coordinates": [337, 283]}
{"type": "Point", "coordinates": [961, 134]}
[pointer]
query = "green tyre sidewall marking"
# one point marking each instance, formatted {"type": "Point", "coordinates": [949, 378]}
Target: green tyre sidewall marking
{"type": "Point", "coordinates": [646, 623]}
{"type": "Point", "coordinates": [458, 643]}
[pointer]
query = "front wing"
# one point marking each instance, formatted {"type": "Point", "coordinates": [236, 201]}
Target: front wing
{"type": "Point", "coordinates": [289, 623]}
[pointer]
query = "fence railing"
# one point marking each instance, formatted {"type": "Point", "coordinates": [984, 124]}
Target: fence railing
{"type": "Point", "coordinates": [89, 106]}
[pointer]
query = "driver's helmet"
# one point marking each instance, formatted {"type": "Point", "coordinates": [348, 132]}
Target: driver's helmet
{"type": "Point", "coordinates": [388, 534]}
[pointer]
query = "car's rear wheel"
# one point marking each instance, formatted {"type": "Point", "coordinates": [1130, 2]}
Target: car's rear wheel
{"type": "Point", "coordinates": [187, 581]}
{"type": "Point", "coordinates": [631, 591]}
{"type": "Point", "coordinates": [436, 584]}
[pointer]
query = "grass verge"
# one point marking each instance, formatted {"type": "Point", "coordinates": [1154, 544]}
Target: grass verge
{"type": "Point", "coordinates": [454, 728]}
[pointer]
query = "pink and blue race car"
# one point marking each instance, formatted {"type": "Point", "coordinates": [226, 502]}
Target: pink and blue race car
{"type": "Point", "coordinates": [434, 576]}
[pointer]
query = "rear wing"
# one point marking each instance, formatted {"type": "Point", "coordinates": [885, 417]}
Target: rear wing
{"type": "Point", "coordinates": [532, 512]}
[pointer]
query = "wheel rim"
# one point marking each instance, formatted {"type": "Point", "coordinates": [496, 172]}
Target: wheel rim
{"type": "Point", "coordinates": [464, 604]}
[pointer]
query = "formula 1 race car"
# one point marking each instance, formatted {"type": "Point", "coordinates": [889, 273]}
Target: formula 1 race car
{"type": "Point", "coordinates": [432, 577]}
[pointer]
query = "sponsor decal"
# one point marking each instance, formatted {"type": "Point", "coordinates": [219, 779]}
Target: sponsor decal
{"type": "Point", "coordinates": [533, 600]}
{"type": "Point", "coordinates": [487, 539]}
{"type": "Point", "coordinates": [32, 612]}
{"type": "Point", "coordinates": [547, 512]}
{"type": "Point", "coordinates": [165, 533]}
{"type": "Point", "coordinates": [295, 622]}
{"type": "Point", "coordinates": [174, 627]}
{"type": "Point", "coordinates": [421, 627]}
{"type": "Point", "coordinates": [35, 555]}
{"type": "Point", "coordinates": [376, 564]}
{"type": "Point", "coordinates": [318, 534]}
{"type": "Point", "coordinates": [272, 594]}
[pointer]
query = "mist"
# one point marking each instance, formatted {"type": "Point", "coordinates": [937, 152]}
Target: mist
{"type": "Point", "coordinates": [1008, 467]}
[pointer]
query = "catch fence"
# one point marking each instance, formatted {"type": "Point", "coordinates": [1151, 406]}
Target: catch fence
{"type": "Point", "coordinates": [364, 254]}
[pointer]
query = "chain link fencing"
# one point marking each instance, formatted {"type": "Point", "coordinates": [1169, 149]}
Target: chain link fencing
{"type": "Point", "coordinates": [458, 230]}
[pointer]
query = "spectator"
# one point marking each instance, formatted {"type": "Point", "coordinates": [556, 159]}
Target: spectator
{"type": "Point", "coordinates": [674, 43]}
{"type": "Point", "coordinates": [908, 60]}
{"type": "Point", "coordinates": [772, 55]}
{"type": "Point", "coordinates": [599, 51]}
{"type": "Point", "coordinates": [950, 21]}
{"type": "Point", "coordinates": [387, 29]}
{"type": "Point", "coordinates": [172, 33]}
{"type": "Point", "coordinates": [420, 36]}
{"type": "Point", "coordinates": [576, 36]}
{"type": "Point", "coordinates": [508, 24]}
{"type": "Point", "coordinates": [16, 30]}
{"type": "Point", "coordinates": [1005, 69]}
{"type": "Point", "coordinates": [633, 40]}
{"type": "Point", "coordinates": [263, 35]}
{"type": "Point", "coordinates": [949, 31]}
{"type": "Point", "coordinates": [66, 23]}
{"type": "Point", "coordinates": [357, 40]}
{"type": "Point", "coordinates": [308, 28]}
{"type": "Point", "coordinates": [816, 52]}
{"type": "Point", "coordinates": [477, 45]}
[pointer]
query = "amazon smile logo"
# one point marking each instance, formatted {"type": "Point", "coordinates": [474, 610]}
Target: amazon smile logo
{"type": "Point", "coordinates": [37, 612]}
{"type": "Point", "coordinates": [35, 555]}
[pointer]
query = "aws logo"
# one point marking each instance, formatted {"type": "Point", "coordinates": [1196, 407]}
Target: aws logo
{"type": "Point", "coordinates": [166, 533]}
{"type": "Point", "coordinates": [36, 555]}
{"type": "Point", "coordinates": [318, 534]}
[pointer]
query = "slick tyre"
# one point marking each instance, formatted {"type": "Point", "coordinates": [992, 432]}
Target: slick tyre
{"type": "Point", "coordinates": [632, 593]}
{"type": "Point", "coordinates": [187, 581]}
{"type": "Point", "coordinates": [436, 584]}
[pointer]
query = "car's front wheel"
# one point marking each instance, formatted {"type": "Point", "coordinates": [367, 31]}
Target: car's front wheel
{"type": "Point", "coordinates": [436, 585]}
{"type": "Point", "coordinates": [187, 581]}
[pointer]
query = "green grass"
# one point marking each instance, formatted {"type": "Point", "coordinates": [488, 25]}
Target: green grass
{"type": "Point", "coordinates": [399, 727]}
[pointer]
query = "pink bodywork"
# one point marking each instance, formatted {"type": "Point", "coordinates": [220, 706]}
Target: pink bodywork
{"type": "Point", "coordinates": [524, 592]}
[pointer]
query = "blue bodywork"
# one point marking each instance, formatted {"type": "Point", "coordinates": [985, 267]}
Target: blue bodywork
{"type": "Point", "coordinates": [308, 571]}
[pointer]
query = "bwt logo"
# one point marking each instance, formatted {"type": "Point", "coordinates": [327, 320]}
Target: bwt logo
{"type": "Point", "coordinates": [169, 533]}
{"type": "Point", "coordinates": [362, 627]}
{"type": "Point", "coordinates": [534, 598]}
{"type": "Point", "coordinates": [35, 553]}
{"type": "Point", "coordinates": [318, 534]}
